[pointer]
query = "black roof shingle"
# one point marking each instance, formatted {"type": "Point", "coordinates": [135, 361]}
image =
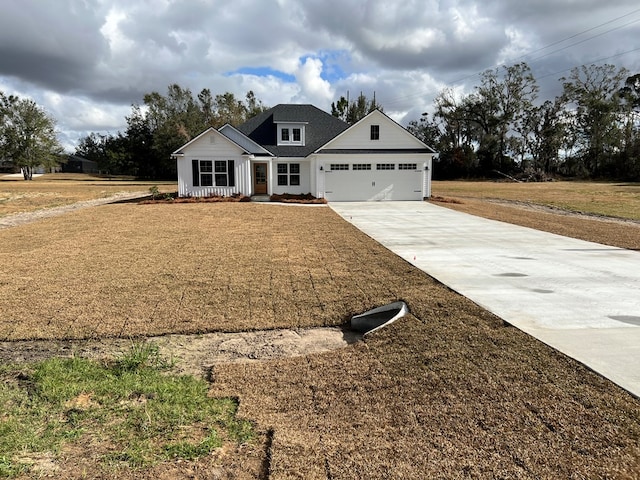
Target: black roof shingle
{"type": "Point", "coordinates": [320, 127]}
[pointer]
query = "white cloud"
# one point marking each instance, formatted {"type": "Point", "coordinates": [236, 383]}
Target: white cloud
{"type": "Point", "coordinates": [313, 88]}
{"type": "Point", "coordinates": [87, 62]}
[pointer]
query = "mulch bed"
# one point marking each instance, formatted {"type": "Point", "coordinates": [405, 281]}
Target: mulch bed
{"type": "Point", "coordinates": [302, 199]}
{"type": "Point", "coordinates": [174, 198]}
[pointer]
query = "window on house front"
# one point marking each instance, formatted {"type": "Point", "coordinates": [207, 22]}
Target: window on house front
{"type": "Point", "coordinates": [290, 134]}
{"type": "Point", "coordinates": [206, 173]}
{"type": "Point", "coordinates": [288, 174]}
{"type": "Point", "coordinates": [283, 170]}
{"type": "Point", "coordinates": [209, 173]}
{"type": "Point", "coordinates": [294, 174]}
{"type": "Point", "coordinates": [222, 173]}
{"type": "Point", "coordinates": [375, 132]}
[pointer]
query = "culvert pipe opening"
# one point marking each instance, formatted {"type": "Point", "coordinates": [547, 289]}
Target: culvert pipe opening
{"type": "Point", "coordinates": [376, 318]}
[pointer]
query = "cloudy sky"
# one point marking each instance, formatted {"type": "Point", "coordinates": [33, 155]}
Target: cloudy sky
{"type": "Point", "coordinates": [87, 61]}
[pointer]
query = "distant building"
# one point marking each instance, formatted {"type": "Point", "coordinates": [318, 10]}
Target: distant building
{"type": "Point", "coordinates": [7, 166]}
{"type": "Point", "coordinates": [76, 164]}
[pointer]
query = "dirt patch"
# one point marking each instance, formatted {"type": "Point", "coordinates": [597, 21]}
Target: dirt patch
{"type": "Point", "coordinates": [173, 198]}
{"type": "Point", "coordinates": [301, 199]}
{"type": "Point", "coordinates": [191, 354]}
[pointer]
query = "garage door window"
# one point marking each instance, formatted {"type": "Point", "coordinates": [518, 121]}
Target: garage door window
{"type": "Point", "coordinates": [288, 174]}
{"type": "Point", "coordinates": [339, 166]}
{"type": "Point", "coordinates": [407, 166]}
{"type": "Point", "coordinates": [362, 166]}
{"type": "Point", "coordinates": [385, 166]}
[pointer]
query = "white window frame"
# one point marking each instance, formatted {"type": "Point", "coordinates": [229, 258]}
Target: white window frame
{"type": "Point", "coordinates": [213, 173]}
{"type": "Point", "coordinates": [288, 174]}
{"type": "Point", "coordinates": [206, 171]}
{"type": "Point", "coordinates": [291, 134]}
{"type": "Point", "coordinates": [221, 173]}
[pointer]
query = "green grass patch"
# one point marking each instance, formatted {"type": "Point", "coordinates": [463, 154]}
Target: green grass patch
{"type": "Point", "coordinates": [132, 408]}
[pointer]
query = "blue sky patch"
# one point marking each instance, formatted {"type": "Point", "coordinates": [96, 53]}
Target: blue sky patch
{"type": "Point", "coordinates": [333, 63]}
{"type": "Point", "coordinates": [263, 72]}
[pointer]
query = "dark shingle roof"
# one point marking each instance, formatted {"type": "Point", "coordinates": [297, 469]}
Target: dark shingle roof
{"type": "Point", "coordinates": [319, 129]}
{"type": "Point", "coordinates": [374, 151]}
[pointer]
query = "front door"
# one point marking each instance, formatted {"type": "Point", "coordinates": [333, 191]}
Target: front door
{"type": "Point", "coordinates": [260, 179]}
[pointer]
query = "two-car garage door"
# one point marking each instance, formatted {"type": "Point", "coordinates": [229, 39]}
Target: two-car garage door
{"type": "Point", "coordinates": [373, 181]}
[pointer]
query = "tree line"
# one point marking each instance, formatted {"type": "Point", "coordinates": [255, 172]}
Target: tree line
{"type": "Point", "coordinates": [160, 126]}
{"type": "Point", "coordinates": [591, 130]}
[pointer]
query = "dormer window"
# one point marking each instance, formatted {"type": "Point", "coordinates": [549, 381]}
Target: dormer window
{"type": "Point", "coordinates": [291, 134]}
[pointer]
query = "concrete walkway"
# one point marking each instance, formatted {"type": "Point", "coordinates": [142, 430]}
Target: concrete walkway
{"type": "Point", "coordinates": [579, 297]}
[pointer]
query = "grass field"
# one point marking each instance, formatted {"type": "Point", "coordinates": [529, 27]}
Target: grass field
{"type": "Point", "coordinates": [449, 391]}
{"type": "Point", "coordinates": [620, 200]}
{"type": "Point", "coordinates": [55, 190]}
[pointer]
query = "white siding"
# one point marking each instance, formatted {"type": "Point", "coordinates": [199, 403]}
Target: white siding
{"type": "Point", "coordinates": [358, 136]}
{"type": "Point", "coordinates": [213, 146]}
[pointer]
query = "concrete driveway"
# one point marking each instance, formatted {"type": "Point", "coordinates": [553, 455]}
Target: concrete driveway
{"type": "Point", "coordinates": [581, 298]}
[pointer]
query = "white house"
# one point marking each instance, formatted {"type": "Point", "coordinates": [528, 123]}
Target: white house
{"type": "Point", "coordinates": [299, 149]}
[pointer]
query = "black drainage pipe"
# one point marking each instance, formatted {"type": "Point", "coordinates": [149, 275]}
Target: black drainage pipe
{"type": "Point", "coordinates": [372, 320]}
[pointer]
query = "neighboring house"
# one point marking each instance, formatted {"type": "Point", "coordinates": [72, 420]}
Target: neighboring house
{"type": "Point", "coordinates": [7, 166]}
{"type": "Point", "coordinates": [299, 149]}
{"type": "Point", "coordinates": [76, 164]}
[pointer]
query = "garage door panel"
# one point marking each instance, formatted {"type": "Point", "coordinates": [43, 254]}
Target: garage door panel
{"type": "Point", "coordinates": [373, 185]}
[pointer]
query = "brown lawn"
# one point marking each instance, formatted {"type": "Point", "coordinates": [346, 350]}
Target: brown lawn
{"type": "Point", "coordinates": [59, 189]}
{"type": "Point", "coordinates": [613, 199]}
{"type": "Point", "coordinates": [573, 209]}
{"type": "Point", "coordinates": [127, 270]}
{"type": "Point", "coordinates": [447, 392]}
